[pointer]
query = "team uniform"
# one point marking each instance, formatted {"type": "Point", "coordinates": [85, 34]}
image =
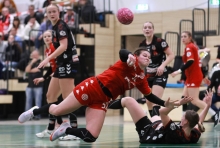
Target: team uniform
{"type": "Point", "coordinates": [158, 56]}
{"type": "Point", "coordinates": [52, 62]}
{"type": "Point", "coordinates": [66, 65]}
{"type": "Point", "coordinates": [170, 134]}
{"type": "Point", "coordinates": [193, 73]}
{"type": "Point", "coordinates": [96, 92]}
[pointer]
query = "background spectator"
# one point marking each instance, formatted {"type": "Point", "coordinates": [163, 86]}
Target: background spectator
{"type": "Point", "coordinates": [32, 13]}
{"type": "Point", "coordinates": [70, 17]}
{"type": "Point", "coordinates": [5, 21]}
{"type": "Point", "coordinates": [30, 38]}
{"type": "Point", "coordinates": [18, 26]}
{"type": "Point", "coordinates": [3, 46]}
{"type": "Point", "coordinates": [86, 11]}
{"type": "Point", "coordinates": [12, 56]}
{"type": "Point", "coordinates": [10, 4]}
{"type": "Point", "coordinates": [34, 92]}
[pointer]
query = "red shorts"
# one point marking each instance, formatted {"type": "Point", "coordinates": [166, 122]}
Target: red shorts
{"type": "Point", "coordinates": [89, 93]}
{"type": "Point", "coordinates": [193, 82]}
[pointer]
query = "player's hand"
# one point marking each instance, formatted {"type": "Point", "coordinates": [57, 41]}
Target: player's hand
{"type": "Point", "coordinates": [170, 104]}
{"type": "Point", "coordinates": [208, 97]}
{"type": "Point", "coordinates": [207, 81]}
{"type": "Point", "coordinates": [185, 100]}
{"type": "Point", "coordinates": [160, 70]}
{"type": "Point", "coordinates": [175, 73]}
{"type": "Point", "coordinates": [131, 60]}
{"type": "Point", "coordinates": [38, 80]}
{"type": "Point", "coordinates": [43, 63]}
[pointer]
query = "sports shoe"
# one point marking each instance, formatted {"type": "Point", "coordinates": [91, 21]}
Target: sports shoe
{"type": "Point", "coordinates": [68, 138]}
{"type": "Point", "coordinates": [216, 120]}
{"type": "Point", "coordinates": [45, 133]}
{"type": "Point", "coordinates": [60, 131]}
{"type": "Point", "coordinates": [28, 115]}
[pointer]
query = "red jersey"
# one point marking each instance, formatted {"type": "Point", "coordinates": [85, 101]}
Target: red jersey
{"type": "Point", "coordinates": [120, 77]}
{"type": "Point", "coordinates": [193, 73]}
{"type": "Point", "coordinates": [48, 52]}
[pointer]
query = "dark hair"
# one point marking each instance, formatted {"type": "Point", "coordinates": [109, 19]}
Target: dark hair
{"type": "Point", "coordinates": [16, 19]}
{"type": "Point", "coordinates": [150, 23]}
{"type": "Point", "coordinates": [193, 119]}
{"type": "Point", "coordinates": [139, 50]}
{"type": "Point", "coordinates": [190, 35]}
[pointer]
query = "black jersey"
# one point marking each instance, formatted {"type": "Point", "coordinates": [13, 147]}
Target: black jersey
{"type": "Point", "coordinates": [156, 48]}
{"type": "Point", "coordinates": [61, 31]}
{"type": "Point", "coordinates": [215, 81]}
{"type": "Point", "coordinates": [170, 134]}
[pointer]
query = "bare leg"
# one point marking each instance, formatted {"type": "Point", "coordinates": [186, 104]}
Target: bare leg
{"type": "Point", "coordinates": [158, 91]}
{"type": "Point", "coordinates": [67, 106]}
{"type": "Point", "coordinates": [94, 121]}
{"type": "Point", "coordinates": [65, 88]}
{"type": "Point", "coordinates": [194, 93]}
{"type": "Point", "coordinates": [133, 107]}
{"type": "Point", "coordinates": [53, 90]}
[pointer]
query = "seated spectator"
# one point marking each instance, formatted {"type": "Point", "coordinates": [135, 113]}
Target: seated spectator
{"type": "Point", "coordinates": [18, 26]}
{"type": "Point", "coordinates": [10, 5]}
{"type": "Point", "coordinates": [86, 11]}
{"type": "Point", "coordinates": [32, 13]}
{"type": "Point", "coordinates": [5, 21]}
{"type": "Point", "coordinates": [70, 17]}
{"type": "Point", "coordinates": [45, 25]}
{"type": "Point", "coordinates": [30, 38]}
{"type": "Point", "coordinates": [12, 54]}
{"type": "Point", "coordinates": [3, 46]}
{"type": "Point", "coordinates": [18, 39]}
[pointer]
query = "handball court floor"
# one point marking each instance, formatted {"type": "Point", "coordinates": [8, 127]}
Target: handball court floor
{"type": "Point", "coordinates": [115, 134]}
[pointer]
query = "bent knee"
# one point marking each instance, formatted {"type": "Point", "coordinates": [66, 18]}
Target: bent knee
{"type": "Point", "coordinates": [54, 110]}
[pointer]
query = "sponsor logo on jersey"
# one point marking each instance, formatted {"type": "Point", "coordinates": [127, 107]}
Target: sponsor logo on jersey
{"type": "Point", "coordinates": [61, 69]}
{"type": "Point", "coordinates": [154, 138]}
{"type": "Point", "coordinates": [84, 97]}
{"type": "Point", "coordinates": [187, 49]}
{"type": "Point", "coordinates": [172, 126]}
{"type": "Point", "coordinates": [64, 56]}
{"type": "Point", "coordinates": [163, 44]}
{"type": "Point", "coordinates": [160, 135]}
{"type": "Point", "coordinates": [188, 54]}
{"type": "Point", "coordinates": [62, 33]}
{"type": "Point", "coordinates": [153, 47]}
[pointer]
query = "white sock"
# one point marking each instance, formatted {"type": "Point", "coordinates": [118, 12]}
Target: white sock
{"type": "Point", "coordinates": [211, 112]}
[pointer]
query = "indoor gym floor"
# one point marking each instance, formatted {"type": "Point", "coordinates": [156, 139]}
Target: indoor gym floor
{"type": "Point", "coordinates": [115, 133]}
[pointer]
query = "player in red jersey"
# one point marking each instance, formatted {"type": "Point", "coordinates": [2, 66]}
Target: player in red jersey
{"type": "Point", "coordinates": [96, 92]}
{"type": "Point", "coordinates": [192, 67]}
{"type": "Point", "coordinates": [161, 129]}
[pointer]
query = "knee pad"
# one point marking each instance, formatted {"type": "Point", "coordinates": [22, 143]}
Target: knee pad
{"type": "Point", "coordinates": [87, 136]}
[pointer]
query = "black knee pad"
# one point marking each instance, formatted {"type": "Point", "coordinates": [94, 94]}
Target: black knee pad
{"type": "Point", "coordinates": [87, 136]}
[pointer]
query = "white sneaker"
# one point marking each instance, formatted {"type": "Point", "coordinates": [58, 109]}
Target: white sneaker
{"type": "Point", "coordinates": [25, 116]}
{"type": "Point", "coordinates": [68, 138]}
{"type": "Point", "coordinates": [45, 133]}
{"type": "Point", "coordinates": [60, 131]}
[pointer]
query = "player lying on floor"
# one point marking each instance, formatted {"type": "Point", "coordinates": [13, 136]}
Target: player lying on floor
{"type": "Point", "coordinates": [161, 129]}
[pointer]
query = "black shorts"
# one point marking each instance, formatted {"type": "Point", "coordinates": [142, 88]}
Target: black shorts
{"type": "Point", "coordinates": [141, 126]}
{"type": "Point", "coordinates": [158, 80]}
{"type": "Point", "coordinates": [66, 70]}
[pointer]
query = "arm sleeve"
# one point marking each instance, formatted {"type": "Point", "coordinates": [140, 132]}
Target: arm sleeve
{"type": "Point", "coordinates": [48, 73]}
{"type": "Point", "coordinates": [187, 65]}
{"type": "Point", "coordinates": [154, 99]}
{"type": "Point", "coordinates": [123, 54]}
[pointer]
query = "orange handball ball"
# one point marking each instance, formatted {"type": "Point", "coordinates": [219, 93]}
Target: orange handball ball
{"type": "Point", "coordinates": [125, 16]}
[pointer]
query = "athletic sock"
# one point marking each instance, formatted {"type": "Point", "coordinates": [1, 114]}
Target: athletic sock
{"type": "Point", "coordinates": [41, 110]}
{"type": "Point", "coordinates": [155, 110]}
{"type": "Point", "coordinates": [116, 104]}
{"type": "Point", "coordinates": [151, 113]}
{"type": "Point", "coordinates": [73, 120]}
{"type": "Point", "coordinates": [184, 105]}
{"type": "Point", "coordinates": [52, 121]}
